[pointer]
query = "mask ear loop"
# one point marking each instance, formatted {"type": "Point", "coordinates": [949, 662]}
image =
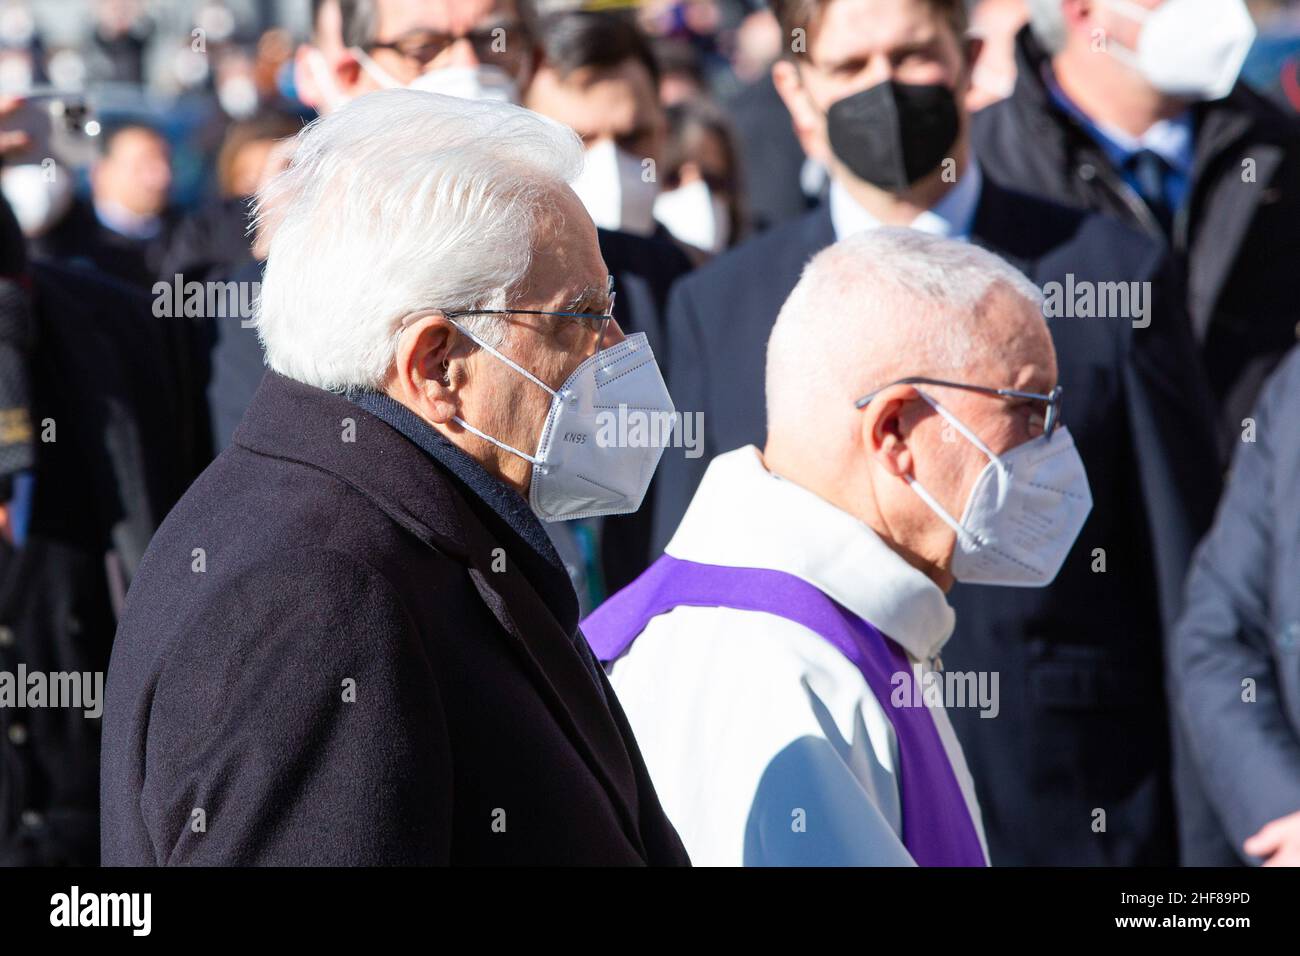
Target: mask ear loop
{"type": "Point", "coordinates": [957, 423]}
{"type": "Point", "coordinates": [377, 72]}
{"type": "Point", "coordinates": [921, 492]}
{"type": "Point", "coordinates": [531, 459]}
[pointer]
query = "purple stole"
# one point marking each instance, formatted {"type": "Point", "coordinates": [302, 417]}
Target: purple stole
{"type": "Point", "coordinates": [937, 826]}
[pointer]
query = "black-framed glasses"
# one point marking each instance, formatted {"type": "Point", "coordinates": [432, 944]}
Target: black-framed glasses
{"type": "Point", "coordinates": [594, 322]}
{"type": "Point", "coordinates": [494, 43]}
{"type": "Point", "coordinates": [1052, 399]}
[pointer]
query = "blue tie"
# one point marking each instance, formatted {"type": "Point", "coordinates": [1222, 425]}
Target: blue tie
{"type": "Point", "coordinates": [1149, 171]}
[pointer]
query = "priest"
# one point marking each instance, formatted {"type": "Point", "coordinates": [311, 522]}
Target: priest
{"type": "Point", "coordinates": [914, 440]}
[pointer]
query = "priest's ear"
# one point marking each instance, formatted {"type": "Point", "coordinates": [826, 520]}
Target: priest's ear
{"type": "Point", "coordinates": [887, 424]}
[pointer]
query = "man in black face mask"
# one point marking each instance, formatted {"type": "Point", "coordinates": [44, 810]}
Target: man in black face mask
{"type": "Point", "coordinates": [875, 89]}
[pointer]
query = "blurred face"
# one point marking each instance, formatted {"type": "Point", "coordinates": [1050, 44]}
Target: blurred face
{"type": "Point", "coordinates": [567, 275]}
{"type": "Point", "coordinates": [136, 173]}
{"type": "Point", "coordinates": [248, 167]}
{"type": "Point", "coordinates": [858, 44]}
{"type": "Point", "coordinates": [413, 37]}
{"type": "Point", "coordinates": [417, 36]}
{"type": "Point", "coordinates": [996, 23]}
{"type": "Point", "coordinates": [905, 435]}
{"type": "Point", "coordinates": [619, 103]}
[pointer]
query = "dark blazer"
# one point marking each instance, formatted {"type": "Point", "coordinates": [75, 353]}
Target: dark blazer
{"type": "Point", "coordinates": [331, 656]}
{"type": "Point", "coordinates": [80, 238]}
{"type": "Point", "coordinates": [1083, 721]}
{"type": "Point", "coordinates": [104, 376]}
{"type": "Point", "coordinates": [771, 159]}
{"type": "Point", "coordinates": [1234, 238]}
{"type": "Point", "coordinates": [1242, 620]}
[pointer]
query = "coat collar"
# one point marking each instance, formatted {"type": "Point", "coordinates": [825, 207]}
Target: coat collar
{"type": "Point", "coordinates": [745, 516]}
{"type": "Point", "coordinates": [291, 421]}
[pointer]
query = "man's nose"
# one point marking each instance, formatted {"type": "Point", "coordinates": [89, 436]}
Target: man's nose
{"type": "Point", "coordinates": [460, 53]}
{"type": "Point", "coordinates": [613, 334]}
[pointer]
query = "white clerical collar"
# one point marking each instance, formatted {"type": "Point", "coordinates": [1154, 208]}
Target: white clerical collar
{"type": "Point", "coordinates": [744, 516]}
{"type": "Point", "coordinates": [952, 217]}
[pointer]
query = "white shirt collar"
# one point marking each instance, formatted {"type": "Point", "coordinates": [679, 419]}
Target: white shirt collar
{"type": "Point", "coordinates": [952, 217]}
{"type": "Point", "coordinates": [1169, 139]}
{"type": "Point", "coordinates": [125, 222]}
{"type": "Point", "coordinates": [742, 515]}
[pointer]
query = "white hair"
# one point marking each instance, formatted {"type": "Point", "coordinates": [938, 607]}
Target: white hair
{"type": "Point", "coordinates": [883, 304]}
{"type": "Point", "coordinates": [401, 201]}
{"type": "Point", "coordinates": [1048, 23]}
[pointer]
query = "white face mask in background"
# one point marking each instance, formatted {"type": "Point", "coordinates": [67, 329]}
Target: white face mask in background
{"type": "Point", "coordinates": [1023, 514]}
{"type": "Point", "coordinates": [575, 475]}
{"type": "Point", "coordinates": [38, 198]}
{"type": "Point", "coordinates": [613, 188]}
{"type": "Point", "coordinates": [1188, 48]}
{"type": "Point", "coordinates": [695, 216]}
{"type": "Point", "coordinates": [481, 82]}
{"type": "Point", "coordinates": [238, 96]}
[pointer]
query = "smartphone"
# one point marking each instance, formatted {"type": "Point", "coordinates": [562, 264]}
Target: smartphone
{"type": "Point", "coordinates": [58, 125]}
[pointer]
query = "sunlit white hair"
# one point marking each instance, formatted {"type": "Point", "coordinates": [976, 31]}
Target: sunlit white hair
{"type": "Point", "coordinates": [880, 305]}
{"type": "Point", "coordinates": [1048, 23]}
{"type": "Point", "coordinates": [401, 201]}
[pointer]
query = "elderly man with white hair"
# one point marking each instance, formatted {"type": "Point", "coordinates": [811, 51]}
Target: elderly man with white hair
{"type": "Point", "coordinates": [352, 642]}
{"type": "Point", "coordinates": [779, 662]}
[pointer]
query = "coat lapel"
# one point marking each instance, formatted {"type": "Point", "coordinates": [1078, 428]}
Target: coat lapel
{"type": "Point", "coordinates": [550, 657]}
{"type": "Point", "coordinates": [1225, 196]}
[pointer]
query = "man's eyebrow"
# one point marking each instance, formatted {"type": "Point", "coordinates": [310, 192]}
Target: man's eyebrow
{"type": "Point", "coordinates": [591, 299]}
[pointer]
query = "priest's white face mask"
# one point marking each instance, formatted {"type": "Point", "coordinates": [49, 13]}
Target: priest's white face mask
{"type": "Point", "coordinates": [1026, 507]}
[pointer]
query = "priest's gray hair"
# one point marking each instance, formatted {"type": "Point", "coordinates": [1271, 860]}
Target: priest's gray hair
{"type": "Point", "coordinates": [402, 201]}
{"type": "Point", "coordinates": [1048, 23]}
{"type": "Point", "coordinates": [884, 304]}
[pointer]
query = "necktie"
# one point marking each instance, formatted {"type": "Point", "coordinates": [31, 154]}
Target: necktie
{"type": "Point", "coordinates": [1149, 170]}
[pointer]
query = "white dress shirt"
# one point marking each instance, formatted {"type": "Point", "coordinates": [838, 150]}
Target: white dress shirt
{"type": "Point", "coordinates": [714, 694]}
{"type": "Point", "coordinates": [952, 217]}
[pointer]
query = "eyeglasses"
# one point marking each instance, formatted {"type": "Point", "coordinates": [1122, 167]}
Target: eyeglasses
{"type": "Point", "coordinates": [489, 43]}
{"type": "Point", "coordinates": [594, 322]}
{"type": "Point", "coordinates": [1052, 399]}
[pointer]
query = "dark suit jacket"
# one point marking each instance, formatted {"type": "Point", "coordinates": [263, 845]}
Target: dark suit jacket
{"type": "Point", "coordinates": [1242, 621]}
{"type": "Point", "coordinates": [329, 656]}
{"type": "Point", "coordinates": [1234, 238]}
{"type": "Point", "coordinates": [106, 379]}
{"type": "Point", "coordinates": [1083, 721]}
{"type": "Point", "coordinates": [771, 159]}
{"type": "Point", "coordinates": [82, 239]}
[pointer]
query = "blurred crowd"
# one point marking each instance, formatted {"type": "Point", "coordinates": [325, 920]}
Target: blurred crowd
{"type": "Point", "coordinates": [136, 135]}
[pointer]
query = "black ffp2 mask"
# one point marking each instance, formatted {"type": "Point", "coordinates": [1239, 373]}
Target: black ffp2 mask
{"type": "Point", "coordinates": [893, 134]}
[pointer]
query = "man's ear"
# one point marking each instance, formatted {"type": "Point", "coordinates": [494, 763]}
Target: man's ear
{"type": "Point", "coordinates": [321, 75]}
{"type": "Point", "coordinates": [803, 115]}
{"type": "Point", "coordinates": [305, 82]}
{"type": "Point", "coordinates": [536, 59]}
{"type": "Point", "coordinates": [428, 370]}
{"type": "Point", "coordinates": [1077, 12]}
{"type": "Point", "coordinates": [974, 49]}
{"type": "Point", "coordinates": [887, 430]}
